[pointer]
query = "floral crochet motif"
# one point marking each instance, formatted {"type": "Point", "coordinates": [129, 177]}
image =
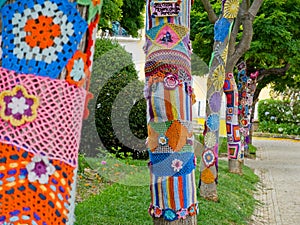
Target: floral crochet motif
{"type": "Point", "coordinates": [170, 81]}
{"type": "Point", "coordinates": [40, 36]}
{"type": "Point", "coordinates": [41, 32]}
{"type": "Point", "coordinates": [231, 8]}
{"type": "Point", "coordinates": [177, 165]}
{"type": "Point", "coordinates": [17, 106]}
{"type": "Point", "coordinates": [77, 69]}
{"type": "Point", "coordinates": [209, 158]}
{"type": "Point", "coordinates": [40, 169]}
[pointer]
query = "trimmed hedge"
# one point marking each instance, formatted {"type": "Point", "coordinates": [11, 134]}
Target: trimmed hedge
{"type": "Point", "coordinates": [119, 105]}
{"type": "Point", "coordinates": [277, 116]}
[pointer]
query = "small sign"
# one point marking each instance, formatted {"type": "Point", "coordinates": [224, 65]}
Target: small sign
{"type": "Point", "coordinates": [166, 8]}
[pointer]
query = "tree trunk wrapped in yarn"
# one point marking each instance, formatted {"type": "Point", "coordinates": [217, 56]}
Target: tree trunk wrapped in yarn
{"type": "Point", "coordinates": [215, 83]}
{"type": "Point", "coordinates": [45, 69]}
{"type": "Point", "coordinates": [169, 95]}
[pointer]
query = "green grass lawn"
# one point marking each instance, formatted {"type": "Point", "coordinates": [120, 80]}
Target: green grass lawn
{"type": "Point", "coordinates": [126, 201]}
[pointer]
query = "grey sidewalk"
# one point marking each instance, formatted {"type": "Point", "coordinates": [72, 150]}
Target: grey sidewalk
{"type": "Point", "coordinates": [278, 165]}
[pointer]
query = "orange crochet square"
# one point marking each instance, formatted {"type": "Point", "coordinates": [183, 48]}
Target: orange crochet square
{"type": "Point", "coordinates": [177, 135]}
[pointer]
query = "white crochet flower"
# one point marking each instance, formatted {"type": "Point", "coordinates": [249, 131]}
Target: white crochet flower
{"type": "Point", "coordinates": [40, 169]}
{"type": "Point", "coordinates": [18, 105]}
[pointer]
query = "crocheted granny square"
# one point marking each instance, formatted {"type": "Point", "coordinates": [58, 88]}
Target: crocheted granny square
{"type": "Point", "coordinates": [40, 36]}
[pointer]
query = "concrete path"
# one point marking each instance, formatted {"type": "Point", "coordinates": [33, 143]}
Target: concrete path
{"type": "Point", "coordinates": [278, 165]}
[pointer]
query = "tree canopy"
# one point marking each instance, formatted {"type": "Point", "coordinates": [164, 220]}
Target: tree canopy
{"type": "Point", "coordinates": [275, 45]}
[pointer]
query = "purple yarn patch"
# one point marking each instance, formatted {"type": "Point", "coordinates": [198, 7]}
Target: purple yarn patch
{"type": "Point", "coordinates": [215, 102]}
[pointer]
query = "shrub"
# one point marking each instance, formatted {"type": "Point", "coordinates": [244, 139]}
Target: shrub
{"type": "Point", "coordinates": [276, 116]}
{"type": "Point", "coordinates": [118, 110]}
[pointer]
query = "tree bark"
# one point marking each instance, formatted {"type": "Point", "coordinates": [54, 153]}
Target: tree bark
{"type": "Point", "coordinates": [169, 97]}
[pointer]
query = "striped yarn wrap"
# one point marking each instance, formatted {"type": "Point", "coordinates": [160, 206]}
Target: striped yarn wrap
{"type": "Point", "coordinates": [169, 96]}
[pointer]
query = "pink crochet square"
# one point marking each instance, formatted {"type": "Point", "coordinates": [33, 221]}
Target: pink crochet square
{"type": "Point", "coordinates": [55, 132]}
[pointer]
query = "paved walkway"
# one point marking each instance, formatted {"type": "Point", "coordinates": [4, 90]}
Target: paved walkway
{"type": "Point", "coordinates": [278, 165]}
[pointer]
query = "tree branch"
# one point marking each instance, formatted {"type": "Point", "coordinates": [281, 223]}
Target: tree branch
{"type": "Point", "coordinates": [255, 7]}
{"type": "Point", "coordinates": [245, 17]}
{"type": "Point", "coordinates": [210, 11]}
{"type": "Point", "coordinates": [273, 71]}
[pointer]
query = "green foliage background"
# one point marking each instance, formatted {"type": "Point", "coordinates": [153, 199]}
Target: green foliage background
{"type": "Point", "coordinates": [275, 43]}
{"type": "Point", "coordinates": [128, 12]}
{"type": "Point", "coordinates": [277, 116]}
{"type": "Point", "coordinates": [115, 75]}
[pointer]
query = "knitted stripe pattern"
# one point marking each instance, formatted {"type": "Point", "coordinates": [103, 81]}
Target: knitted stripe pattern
{"type": "Point", "coordinates": [41, 115]}
{"type": "Point", "coordinates": [169, 93]}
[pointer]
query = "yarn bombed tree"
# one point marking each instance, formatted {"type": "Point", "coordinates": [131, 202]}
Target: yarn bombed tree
{"type": "Point", "coordinates": [215, 83]}
{"type": "Point", "coordinates": [169, 96]}
{"type": "Point", "coordinates": [231, 50]}
{"type": "Point", "coordinates": [46, 65]}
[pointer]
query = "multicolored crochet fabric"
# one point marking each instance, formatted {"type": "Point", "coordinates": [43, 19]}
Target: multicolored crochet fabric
{"type": "Point", "coordinates": [215, 84]}
{"type": "Point", "coordinates": [44, 78]}
{"type": "Point", "coordinates": [246, 88]}
{"type": "Point", "coordinates": [43, 188]}
{"type": "Point", "coordinates": [51, 125]}
{"type": "Point", "coordinates": [169, 95]}
{"type": "Point", "coordinates": [40, 36]}
{"type": "Point", "coordinates": [232, 124]}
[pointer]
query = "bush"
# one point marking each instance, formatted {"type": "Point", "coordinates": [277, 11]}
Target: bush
{"type": "Point", "coordinates": [276, 116]}
{"type": "Point", "coordinates": [120, 113]}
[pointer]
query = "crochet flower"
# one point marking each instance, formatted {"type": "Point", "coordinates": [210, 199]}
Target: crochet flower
{"type": "Point", "coordinates": [209, 158]}
{"type": "Point", "coordinates": [218, 77]}
{"type": "Point", "coordinates": [182, 213]}
{"type": "Point", "coordinates": [171, 81]}
{"type": "Point", "coordinates": [213, 122]}
{"type": "Point", "coordinates": [231, 8]}
{"type": "Point", "coordinates": [163, 140]}
{"type": "Point", "coordinates": [77, 69]}
{"type": "Point", "coordinates": [170, 215]}
{"type": "Point", "coordinates": [94, 7]}
{"type": "Point", "coordinates": [40, 169]}
{"type": "Point", "coordinates": [192, 210]}
{"type": "Point", "coordinates": [157, 212]}
{"type": "Point", "coordinates": [177, 165]}
{"type": "Point", "coordinates": [210, 140]}
{"type": "Point", "coordinates": [41, 36]}
{"type": "Point", "coordinates": [17, 106]}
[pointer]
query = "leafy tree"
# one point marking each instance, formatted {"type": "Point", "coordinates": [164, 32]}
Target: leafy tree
{"type": "Point", "coordinates": [111, 11]}
{"type": "Point", "coordinates": [133, 19]}
{"type": "Point", "coordinates": [128, 12]}
{"type": "Point", "coordinates": [274, 48]}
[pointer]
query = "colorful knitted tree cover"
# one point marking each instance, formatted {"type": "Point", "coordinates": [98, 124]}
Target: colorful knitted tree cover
{"type": "Point", "coordinates": [43, 89]}
{"type": "Point", "coordinates": [169, 96]}
{"type": "Point", "coordinates": [235, 150]}
{"type": "Point", "coordinates": [215, 83]}
{"type": "Point", "coordinates": [246, 89]}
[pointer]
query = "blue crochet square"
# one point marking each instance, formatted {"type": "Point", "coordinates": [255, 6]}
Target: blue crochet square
{"type": "Point", "coordinates": [40, 36]}
{"type": "Point", "coordinates": [222, 29]}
